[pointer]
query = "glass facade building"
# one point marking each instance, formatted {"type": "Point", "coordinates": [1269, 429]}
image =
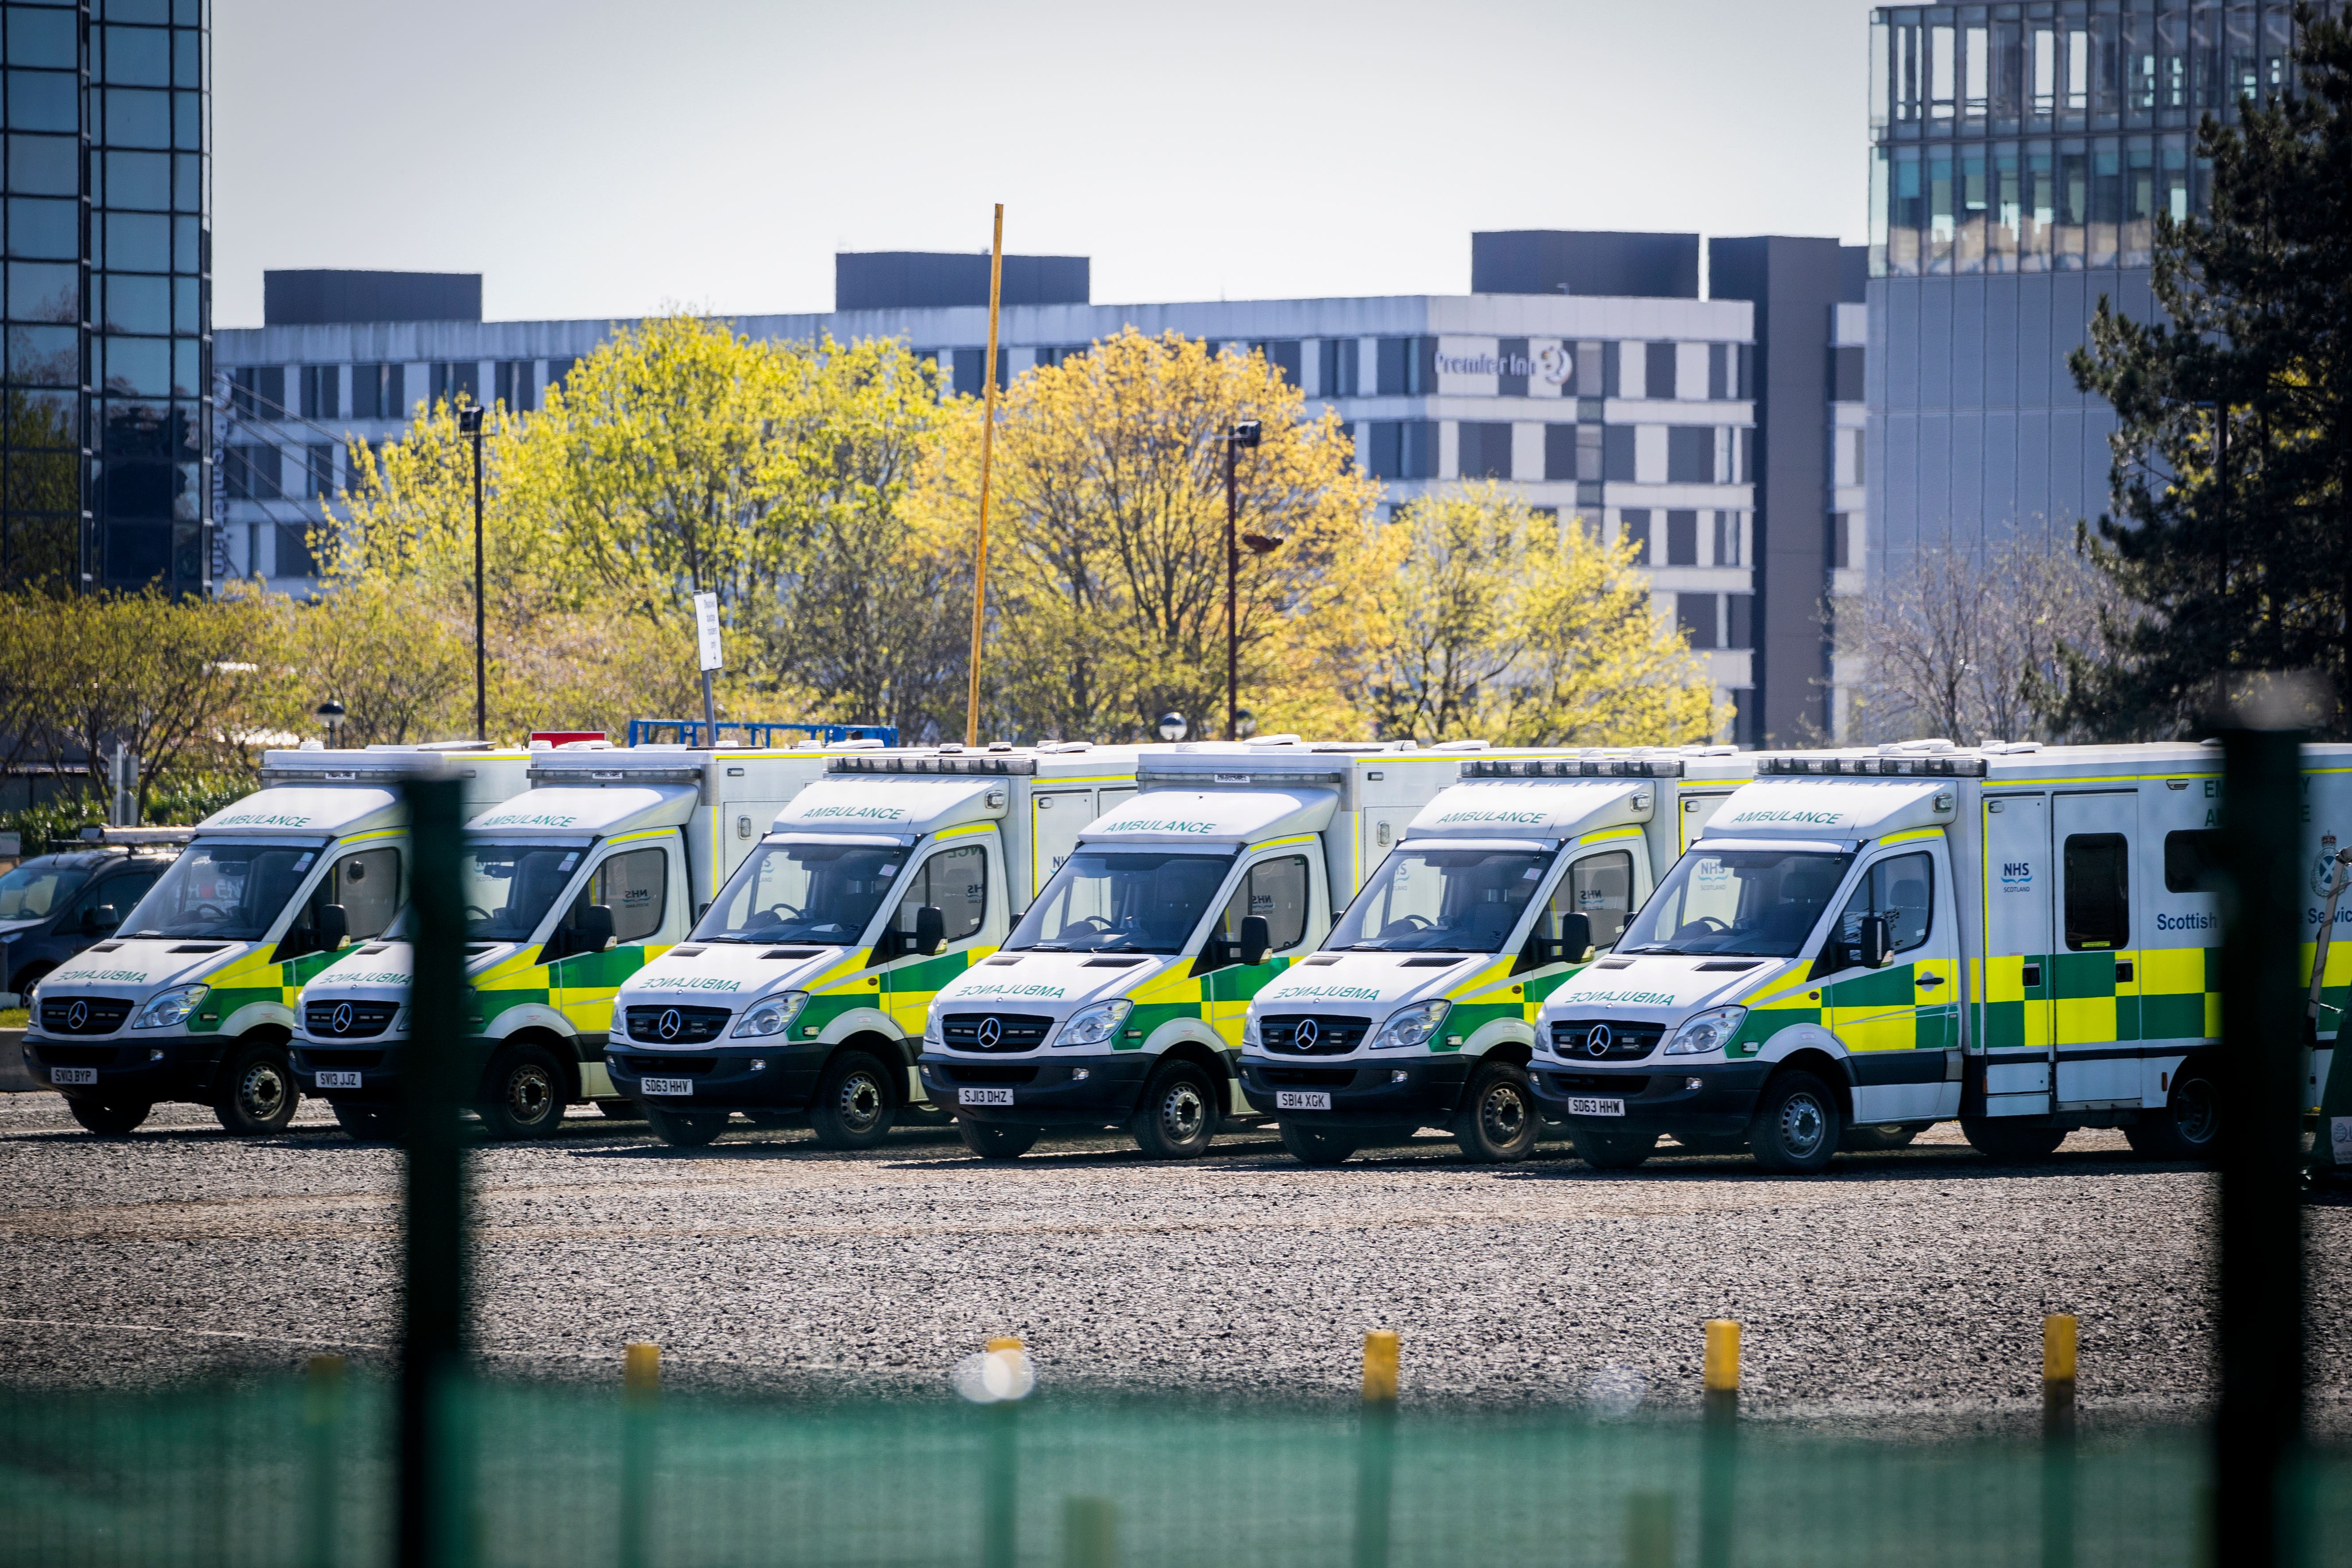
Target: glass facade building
{"type": "Point", "coordinates": [2019, 156]}
{"type": "Point", "coordinates": [107, 293]}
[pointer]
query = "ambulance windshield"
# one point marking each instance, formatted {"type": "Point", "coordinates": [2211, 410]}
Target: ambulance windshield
{"type": "Point", "coordinates": [1755, 903]}
{"type": "Point", "coordinates": [229, 892]}
{"type": "Point", "coordinates": [510, 888]}
{"type": "Point", "coordinates": [1129, 901]}
{"type": "Point", "coordinates": [808, 890]}
{"type": "Point", "coordinates": [1428, 898]}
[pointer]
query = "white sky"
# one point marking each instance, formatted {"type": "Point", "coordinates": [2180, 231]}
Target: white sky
{"type": "Point", "coordinates": [594, 158]}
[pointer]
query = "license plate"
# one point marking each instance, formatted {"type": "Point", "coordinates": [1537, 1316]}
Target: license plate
{"type": "Point", "coordinates": [665, 1085]}
{"type": "Point", "coordinates": [1302, 1099]}
{"type": "Point", "coordinates": [73, 1074]}
{"type": "Point", "coordinates": [983, 1097]}
{"type": "Point", "coordinates": [1580, 1106]}
{"type": "Point", "coordinates": [338, 1080]}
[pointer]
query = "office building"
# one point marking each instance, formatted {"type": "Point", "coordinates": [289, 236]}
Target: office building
{"type": "Point", "coordinates": [104, 452]}
{"type": "Point", "coordinates": [1641, 410]}
{"type": "Point", "coordinates": [2019, 157]}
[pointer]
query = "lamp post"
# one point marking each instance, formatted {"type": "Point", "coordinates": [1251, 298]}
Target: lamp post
{"type": "Point", "coordinates": [1244, 433]}
{"type": "Point", "coordinates": [330, 714]}
{"type": "Point", "coordinates": [470, 424]}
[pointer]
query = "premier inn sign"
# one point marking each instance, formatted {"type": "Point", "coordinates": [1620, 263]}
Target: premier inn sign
{"type": "Point", "coordinates": [1550, 364]}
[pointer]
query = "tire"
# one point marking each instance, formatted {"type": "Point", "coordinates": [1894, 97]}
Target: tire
{"type": "Point", "coordinates": [1877, 1138]}
{"type": "Point", "coordinates": [2011, 1142]}
{"type": "Point", "coordinates": [369, 1123]}
{"type": "Point", "coordinates": [1713, 1142]}
{"type": "Point", "coordinates": [686, 1129]}
{"type": "Point", "coordinates": [1498, 1119]}
{"type": "Point", "coordinates": [523, 1093]}
{"type": "Point", "coordinates": [1613, 1150]}
{"type": "Point", "coordinates": [1797, 1126]}
{"type": "Point", "coordinates": [107, 1120]}
{"type": "Point", "coordinates": [775, 1120]}
{"type": "Point", "coordinates": [2189, 1125]}
{"type": "Point", "coordinates": [995, 1140]}
{"type": "Point", "coordinates": [1315, 1145]}
{"type": "Point", "coordinates": [620, 1110]}
{"type": "Point", "coordinates": [853, 1106]}
{"type": "Point", "coordinates": [1178, 1114]}
{"type": "Point", "coordinates": [256, 1092]}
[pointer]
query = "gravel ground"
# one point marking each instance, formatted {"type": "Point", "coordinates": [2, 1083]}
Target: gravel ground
{"type": "Point", "coordinates": [1908, 1284]}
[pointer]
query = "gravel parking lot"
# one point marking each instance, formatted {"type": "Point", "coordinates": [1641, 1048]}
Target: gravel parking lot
{"type": "Point", "coordinates": [1909, 1284]}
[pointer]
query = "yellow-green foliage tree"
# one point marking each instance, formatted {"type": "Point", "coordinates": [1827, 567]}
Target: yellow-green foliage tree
{"type": "Point", "coordinates": [1106, 572]}
{"type": "Point", "coordinates": [1497, 623]}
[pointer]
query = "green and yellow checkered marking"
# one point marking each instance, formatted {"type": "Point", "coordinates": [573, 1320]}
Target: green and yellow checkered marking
{"type": "Point", "coordinates": [2174, 994]}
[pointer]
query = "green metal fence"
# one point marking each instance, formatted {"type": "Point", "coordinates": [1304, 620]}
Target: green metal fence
{"type": "Point", "coordinates": [562, 1478]}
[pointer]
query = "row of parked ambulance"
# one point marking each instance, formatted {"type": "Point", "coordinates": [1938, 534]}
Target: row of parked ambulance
{"type": "Point", "coordinates": [1785, 953]}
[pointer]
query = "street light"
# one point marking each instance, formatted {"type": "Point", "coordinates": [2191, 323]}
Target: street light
{"type": "Point", "coordinates": [470, 424]}
{"type": "Point", "coordinates": [330, 714]}
{"type": "Point", "coordinates": [1245, 433]}
{"type": "Point", "coordinates": [1172, 727]}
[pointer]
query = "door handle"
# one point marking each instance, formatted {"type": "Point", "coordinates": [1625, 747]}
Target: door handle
{"type": "Point", "coordinates": [2123, 970]}
{"type": "Point", "coordinates": [2032, 974]}
{"type": "Point", "coordinates": [1925, 982]}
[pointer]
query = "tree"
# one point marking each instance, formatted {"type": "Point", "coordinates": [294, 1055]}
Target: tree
{"type": "Point", "coordinates": [1497, 623]}
{"type": "Point", "coordinates": [2232, 528]}
{"type": "Point", "coordinates": [1973, 645]}
{"type": "Point", "coordinates": [1106, 574]}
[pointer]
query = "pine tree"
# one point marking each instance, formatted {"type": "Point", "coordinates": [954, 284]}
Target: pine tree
{"type": "Point", "coordinates": [2232, 486]}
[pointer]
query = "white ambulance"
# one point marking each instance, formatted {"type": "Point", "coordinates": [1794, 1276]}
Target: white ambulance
{"type": "Point", "coordinates": [1420, 1010]}
{"type": "Point", "coordinates": [2023, 937]}
{"type": "Point", "coordinates": [569, 888]}
{"type": "Point", "coordinates": [1119, 1000]}
{"type": "Point", "coordinates": [803, 989]}
{"type": "Point", "coordinates": [193, 998]}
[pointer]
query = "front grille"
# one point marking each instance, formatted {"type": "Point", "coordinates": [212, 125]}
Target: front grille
{"type": "Point", "coordinates": [1325, 1034]}
{"type": "Point", "coordinates": [663, 1066]}
{"type": "Point", "coordinates": [318, 1059]}
{"type": "Point", "coordinates": [959, 1073]}
{"type": "Point", "coordinates": [348, 1020]}
{"type": "Point", "coordinates": [1623, 1042]}
{"type": "Point", "coordinates": [1620, 1084]}
{"type": "Point", "coordinates": [78, 1056]}
{"type": "Point", "coordinates": [1013, 1031]}
{"type": "Point", "coordinates": [98, 1015]}
{"type": "Point", "coordinates": [676, 1026]}
{"type": "Point", "coordinates": [1310, 1077]}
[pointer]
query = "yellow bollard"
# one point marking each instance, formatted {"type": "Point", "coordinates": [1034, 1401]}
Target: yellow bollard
{"type": "Point", "coordinates": [1003, 1343]}
{"type": "Point", "coordinates": [2058, 1336]}
{"type": "Point", "coordinates": [1720, 1370]}
{"type": "Point", "coordinates": [1090, 1532]}
{"type": "Point", "coordinates": [1380, 1366]}
{"type": "Point", "coordinates": [1650, 1530]}
{"type": "Point", "coordinates": [641, 1370]}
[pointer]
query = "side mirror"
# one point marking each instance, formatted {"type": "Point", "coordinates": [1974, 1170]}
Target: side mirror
{"type": "Point", "coordinates": [1257, 939]}
{"type": "Point", "coordinates": [1877, 944]}
{"type": "Point", "coordinates": [334, 928]}
{"type": "Point", "coordinates": [100, 919]}
{"type": "Point", "coordinates": [595, 928]}
{"type": "Point", "coordinates": [1575, 938]}
{"type": "Point", "coordinates": [930, 929]}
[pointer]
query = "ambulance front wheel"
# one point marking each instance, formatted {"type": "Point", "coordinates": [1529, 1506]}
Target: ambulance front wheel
{"type": "Point", "coordinates": [1797, 1126]}
{"type": "Point", "coordinates": [1878, 1138]}
{"type": "Point", "coordinates": [256, 1091]}
{"type": "Point", "coordinates": [107, 1120]}
{"type": "Point", "coordinates": [2008, 1141]}
{"type": "Point", "coordinates": [1498, 1120]}
{"type": "Point", "coordinates": [523, 1093]}
{"type": "Point", "coordinates": [2189, 1125]}
{"type": "Point", "coordinates": [368, 1123]}
{"type": "Point", "coordinates": [1179, 1113]}
{"type": "Point", "coordinates": [853, 1106]}
{"type": "Point", "coordinates": [1315, 1145]}
{"type": "Point", "coordinates": [996, 1140]}
{"type": "Point", "coordinates": [686, 1129]}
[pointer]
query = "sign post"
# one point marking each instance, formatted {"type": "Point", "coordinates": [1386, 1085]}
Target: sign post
{"type": "Point", "coordinates": [706, 634]}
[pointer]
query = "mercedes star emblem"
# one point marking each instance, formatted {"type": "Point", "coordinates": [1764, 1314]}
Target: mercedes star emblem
{"type": "Point", "coordinates": [342, 1017]}
{"type": "Point", "coordinates": [669, 1023]}
{"type": "Point", "coordinates": [1305, 1035]}
{"type": "Point", "coordinates": [1596, 1042]}
{"type": "Point", "coordinates": [77, 1016]}
{"type": "Point", "coordinates": [990, 1032]}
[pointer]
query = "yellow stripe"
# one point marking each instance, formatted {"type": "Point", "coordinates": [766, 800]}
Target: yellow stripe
{"type": "Point", "coordinates": [849, 968]}
{"type": "Point", "coordinates": [640, 833]}
{"type": "Point", "coordinates": [965, 831]}
{"type": "Point", "coordinates": [1494, 973]}
{"type": "Point", "coordinates": [1910, 835]}
{"type": "Point", "coordinates": [372, 833]}
{"type": "Point", "coordinates": [1609, 833]}
{"type": "Point", "coordinates": [1281, 843]}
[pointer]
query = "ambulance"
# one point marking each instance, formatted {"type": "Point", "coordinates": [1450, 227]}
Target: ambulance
{"type": "Point", "coordinates": [569, 888]}
{"type": "Point", "coordinates": [2023, 937]}
{"type": "Point", "coordinates": [1119, 1000]}
{"type": "Point", "coordinates": [1420, 1009]}
{"type": "Point", "coordinates": [193, 998]}
{"type": "Point", "coordinates": [803, 989]}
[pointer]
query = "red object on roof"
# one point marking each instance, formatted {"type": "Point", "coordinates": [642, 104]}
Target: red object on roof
{"type": "Point", "coordinates": [558, 737]}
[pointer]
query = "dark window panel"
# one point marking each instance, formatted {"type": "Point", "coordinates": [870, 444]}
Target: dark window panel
{"type": "Point", "coordinates": [258, 391]}
{"type": "Point", "coordinates": [188, 122]}
{"type": "Point", "coordinates": [1511, 351]}
{"type": "Point", "coordinates": [44, 293]}
{"type": "Point", "coordinates": [187, 66]}
{"type": "Point", "coordinates": [1284, 356]}
{"type": "Point", "coordinates": [251, 472]}
{"type": "Point", "coordinates": [1339, 367]}
{"type": "Point", "coordinates": [137, 117]}
{"type": "Point", "coordinates": [295, 556]}
{"type": "Point", "coordinates": [134, 56]}
{"type": "Point", "coordinates": [1845, 374]}
{"type": "Point", "coordinates": [136, 304]}
{"type": "Point", "coordinates": [138, 552]}
{"type": "Point", "coordinates": [136, 367]}
{"type": "Point", "coordinates": [1634, 528]}
{"type": "Point", "coordinates": [558, 369]}
{"type": "Point", "coordinates": [458, 381]}
{"type": "Point", "coordinates": [1658, 374]}
{"type": "Point", "coordinates": [515, 389]}
{"type": "Point", "coordinates": [138, 180]}
{"type": "Point", "coordinates": [321, 392]}
{"type": "Point", "coordinates": [1727, 539]}
{"type": "Point", "coordinates": [44, 230]}
{"type": "Point", "coordinates": [1589, 368]}
{"type": "Point", "coordinates": [1742, 630]}
{"type": "Point", "coordinates": [318, 471]}
{"type": "Point", "coordinates": [1482, 450]}
{"type": "Point", "coordinates": [44, 356]}
{"type": "Point", "coordinates": [41, 419]}
{"type": "Point", "coordinates": [44, 100]}
{"type": "Point", "coordinates": [1613, 357]}
{"type": "Point", "coordinates": [1393, 356]}
{"type": "Point", "coordinates": [1617, 453]}
{"type": "Point", "coordinates": [156, 430]}
{"type": "Point", "coordinates": [1560, 451]}
{"type": "Point", "coordinates": [187, 250]}
{"type": "Point", "coordinates": [1840, 540]}
{"type": "Point", "coordinates": [155, 12]}
{"type": "Point", "coordinates": [1718, 378]}
{"type": "Point", "coordinates": [1384, 459]}
{"type": "Point", "coordinates": [1694, 613]}
{"type": "Point", "coordinates": [188, 181]}
{"type": "Point", "coordinates": [137, 243]}
{"type": "Point", "coordinates": [137, 490]}
{"type": "Point", "coordinates": [43, 166]}
{"type": "Point", "coordinates": [1682, 539]}
{"type": "Point", "coordinates": [1690, 454]}
{"type": "Point", "coordinates": [44, 36]}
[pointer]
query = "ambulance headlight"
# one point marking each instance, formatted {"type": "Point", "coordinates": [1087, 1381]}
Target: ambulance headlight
{"type": "Point", "coordinates": [932, 1039]}
{"type": "Point", "coordinates": [168, 1008]}
{"type": "Point", "coordinates": [1710, 1031]}
{"type": "Point", "coordinates": [1094, 1026]}
{"type": "Point", "coordinates": [1410, 1026]}
{"type": "Point", "coordinates": [772, 1015]}
{"type": "Point", "coordinates": [1249, 1032]}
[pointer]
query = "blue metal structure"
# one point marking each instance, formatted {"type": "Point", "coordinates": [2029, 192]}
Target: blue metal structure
{"type": "Point", "coordinates": [757, 733]}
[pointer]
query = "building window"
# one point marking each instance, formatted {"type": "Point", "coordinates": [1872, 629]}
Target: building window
{"type": "Point", "coordinates": [1634, 528]}
{"type": "Point", "coordinates": [1560, 451]}
{"type": "Point", "coordinates": [378, 391]}
{"type": "Point", "coordinates": [320, 470]}
{"type": "Point", "coordinates": [559, 371]}
{"type": "Point", "coordinates": [1840, 540]}
{"type": "Point", "coordinates": [1741, 620]}
{"type": "Point", "coordinates": [1336, 365]}
{"type": "Point", "coordinates": [1403, 448]}
{"type": "Point", "coordinates": [1485, 450]}
{"type": "Point", "coordinates": [1727, 532]}
{"type": "Point", "coordinates": [1695, 613]}
{"type": "Point", "coordinates": [1408, 367]}
{"type": "Point", "coordinates": [258, 391]}
{"type": "Point", "coordinates": [250, 472]}
{"type": "Point", "coordinates": [968, 380]}
{"type": "Point", "coordinates": [295, 556]}
{"type": "Point", "coordinates": [1845, 374]}
{"type": "Point", "coordinates": [1618, 448]}
{"type": "Point", "coordinates": [1589, 454]}
{"type": "Point", "coordinates": [1682, 539]}
{"type": "Point", "coordinates": [1845, 457]}
{"type": "Point", "coordinates": [515, 386]}
{"type": "Point", "coordinates": [1690, 454]}
{"type": "Point", "coordinates": [1658, 371]}
{"type": "Point", "coordinates": [1282, 356]}
{"type": "Point", "coordinates": [456, 382]}
{"type": "Point", "coordinates": [1593, 369]}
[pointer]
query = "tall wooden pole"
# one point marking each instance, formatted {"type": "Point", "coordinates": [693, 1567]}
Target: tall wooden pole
{"type": "Point", "coordinates": [987, 442]}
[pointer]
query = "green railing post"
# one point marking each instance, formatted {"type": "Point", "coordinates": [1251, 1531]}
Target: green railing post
{"type": "Point", "coordinates": [322, 1441]}
{"type": "Point", "coordinates": [435, 1525]}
